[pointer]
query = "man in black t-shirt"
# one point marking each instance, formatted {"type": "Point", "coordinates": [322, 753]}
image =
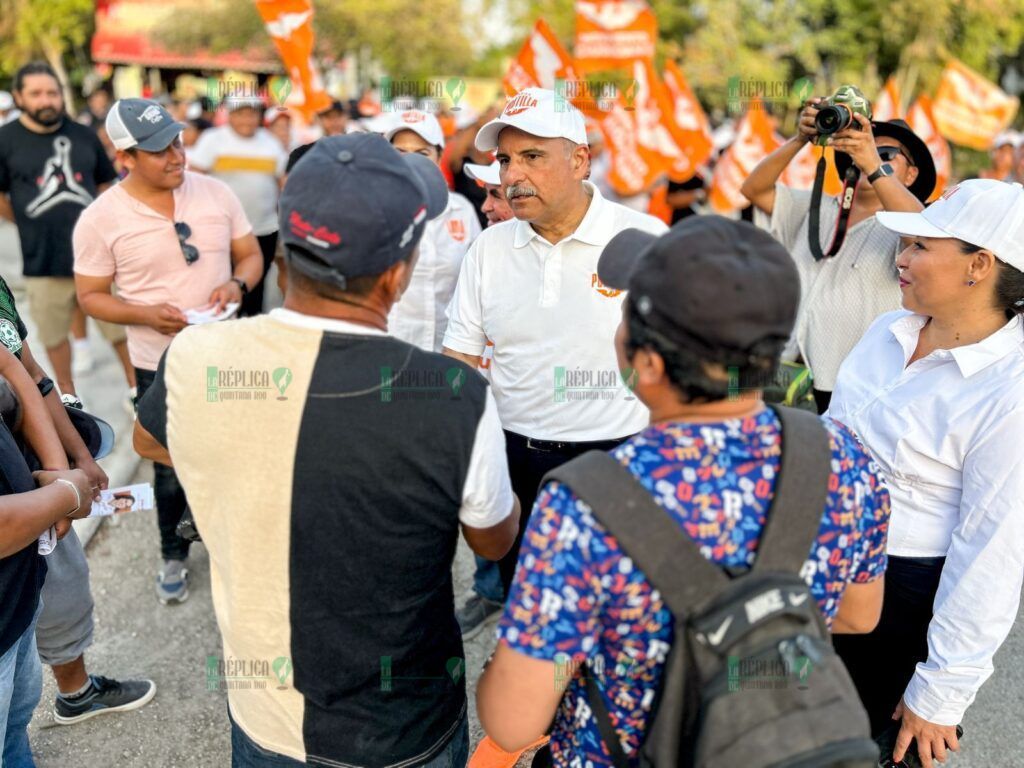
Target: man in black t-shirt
{"type": "Point", "coordinates": [51, 168]}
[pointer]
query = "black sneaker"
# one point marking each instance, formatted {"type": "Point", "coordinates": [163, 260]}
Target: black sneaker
{"type": "Point", "coordinates": [103, 696]}
{"type": "Point", "coordinates": [475, 615]}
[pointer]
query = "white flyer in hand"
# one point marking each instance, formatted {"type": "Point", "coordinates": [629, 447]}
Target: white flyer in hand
{"type": "Point", "coordinates": [209, 314]}
{"type": "Point", "coordinates": [128, 498]}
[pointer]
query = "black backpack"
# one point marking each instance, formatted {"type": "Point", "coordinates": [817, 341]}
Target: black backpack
{"type": "Point", "coordinates": [751, 679]}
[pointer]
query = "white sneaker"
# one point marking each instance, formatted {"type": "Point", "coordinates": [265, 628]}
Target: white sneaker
{"type": "Point", "coordinates": [71, 400]}
{"type": "Point", "coordinates": [81, 357]}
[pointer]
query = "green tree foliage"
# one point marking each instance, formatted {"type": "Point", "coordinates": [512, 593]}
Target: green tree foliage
{"type": "Point", "coordinates": [47, 29]}
{"type": "Point", "coordinates": [407, 37]}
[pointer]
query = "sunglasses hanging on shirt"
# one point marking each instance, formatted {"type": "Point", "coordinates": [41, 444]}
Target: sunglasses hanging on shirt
{"type": "Point", "coordinates": [189, 251]}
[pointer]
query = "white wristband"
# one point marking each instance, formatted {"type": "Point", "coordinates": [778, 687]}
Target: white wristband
{"type": "Point", "coordinates": [78, 496]}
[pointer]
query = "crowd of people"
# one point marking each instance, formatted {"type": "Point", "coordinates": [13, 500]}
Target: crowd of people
{"type": "Point", "coordinates": [470, 323]}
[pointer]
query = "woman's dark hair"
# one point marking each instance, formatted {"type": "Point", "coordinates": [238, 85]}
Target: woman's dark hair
{"type": "Point", "coordinates": [687, 370]}
{"type": "Point", "coordinates": [1009, 283]}
{"type": "Point", "coordinates": [33, 68]}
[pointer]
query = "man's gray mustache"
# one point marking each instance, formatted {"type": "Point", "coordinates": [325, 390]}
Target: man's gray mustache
{"type": "Point", "coordinates": [519, 190]}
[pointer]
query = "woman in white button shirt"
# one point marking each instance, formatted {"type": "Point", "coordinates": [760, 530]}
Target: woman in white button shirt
{"type": "Point", "coordinates": [936, 393]}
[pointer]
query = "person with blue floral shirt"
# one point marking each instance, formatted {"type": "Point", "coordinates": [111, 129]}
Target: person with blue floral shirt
{"type": "Point", "coordinates": [710, 306]}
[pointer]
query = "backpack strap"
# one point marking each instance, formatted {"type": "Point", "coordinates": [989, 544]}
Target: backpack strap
{"type": "Point", "coordinates": [646, 532]}
{"type": "Point", "coordinates": [800, 494]}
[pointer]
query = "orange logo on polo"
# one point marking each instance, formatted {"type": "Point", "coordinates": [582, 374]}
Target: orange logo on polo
{"type": "Point", "coordinates": [597, 285]}
{"type": "Point", "coordinates": [457, 229]}
{"type": "Point", "coordinates": [520, 103]}
{"type": "Point", "coordinates": [413, 117]}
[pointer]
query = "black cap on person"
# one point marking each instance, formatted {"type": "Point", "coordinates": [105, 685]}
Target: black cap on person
{"type": "Point", "coordinates": [722, 289]}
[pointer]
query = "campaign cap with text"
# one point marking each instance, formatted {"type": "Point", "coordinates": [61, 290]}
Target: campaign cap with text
{"type": "Point", "coordinates": [354, 206]}
{"type": "Point", "coordinates": [538, 112]}
{"type": "Point", "coordinates": [983, 212]}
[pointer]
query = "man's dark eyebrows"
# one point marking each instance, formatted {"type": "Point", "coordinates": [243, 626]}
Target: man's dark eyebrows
{"type": "Point", "coordinates": [532, 151]}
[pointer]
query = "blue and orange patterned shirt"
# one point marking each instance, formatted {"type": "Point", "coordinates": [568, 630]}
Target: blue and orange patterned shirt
{"type": "Point", "coordinates": [577, 597]}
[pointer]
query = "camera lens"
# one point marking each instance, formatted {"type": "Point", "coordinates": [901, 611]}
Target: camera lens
{"type": "Point", "coordinates": [832, 119]}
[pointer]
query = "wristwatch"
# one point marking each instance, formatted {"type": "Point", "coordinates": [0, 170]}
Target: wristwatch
{"type": "Point", "coordinates": [245, 288]}
{"type": "Point", "coordinates": [883, 170]}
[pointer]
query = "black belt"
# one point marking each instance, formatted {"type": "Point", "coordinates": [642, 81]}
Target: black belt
{"type": "Point", "coordinates": [556, 446]}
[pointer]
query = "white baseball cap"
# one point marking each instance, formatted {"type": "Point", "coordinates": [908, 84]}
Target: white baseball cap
{"type": "Point", "coordinates": [538, 112]}
{"type": "Point", "coordinates": [232, 103]}
{"type": "Point", "coordinates": [275, 112]}
{"type": "Point", "coordinates": [488, 174]}
{"type": "Point", "coordinates": [1007, 137]}
{"type": "Point", "coordinates": [423, 124]}
{"type": "Point", "coordinates": [983, 212]}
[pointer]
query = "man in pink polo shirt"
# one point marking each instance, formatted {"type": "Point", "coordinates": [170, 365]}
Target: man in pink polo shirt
{"type": "Point", "coordinates": [171, 241]}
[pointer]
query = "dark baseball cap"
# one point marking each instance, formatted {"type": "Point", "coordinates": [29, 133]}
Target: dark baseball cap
{"type": "Point", "coordinates": [141, 124]}
{"type": "Point", "coordinates": [722, 289]}
{"type": "Point", "coordinates": [353, 206]}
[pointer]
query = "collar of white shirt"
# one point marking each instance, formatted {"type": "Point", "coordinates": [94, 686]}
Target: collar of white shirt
{"type": "Point", "coordinates": [596, 228]}
{"type": "Point", "coordinates": [969, 358]}
{"type": "Point", "coordinates": [291, 317]}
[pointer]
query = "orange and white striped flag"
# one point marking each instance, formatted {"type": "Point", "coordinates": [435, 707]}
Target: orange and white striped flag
{"type": "Point", "coordinates": [887, 105]}
{"type": "Point", "coordinates": [540, 63]}
{"type": "Point", "coordinates": [690, 125]}
{"type": "Point", "coordinates": [290, 24]}
{"type": "Point", "coordinates": [969, 109]}
{"type": "Point", "coordinates": [920, 118]}
{"type": "Point", "coordinates": [611, 33]}
{"type": "Point", "coordinates": [755, 140]}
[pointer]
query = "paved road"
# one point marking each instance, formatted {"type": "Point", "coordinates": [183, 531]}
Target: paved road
{"type": "Point", "coordinates": [186, 724]}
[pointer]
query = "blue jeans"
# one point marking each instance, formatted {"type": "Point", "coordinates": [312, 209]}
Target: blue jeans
{"type": "Point", "coordinates": [21, 685]}
{"type": "Point", "coordinates": [487, 580]}
{"type": "Point", "coordinates": [246, 753]}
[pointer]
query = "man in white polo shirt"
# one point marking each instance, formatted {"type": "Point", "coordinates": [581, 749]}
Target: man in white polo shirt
{"type": "Point", "coordinates": [530, 285]}
{"type": "Point", "coordinates": [419, 318]}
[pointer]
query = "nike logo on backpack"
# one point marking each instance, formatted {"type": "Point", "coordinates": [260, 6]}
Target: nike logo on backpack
{"type": "Point", "coordinates": [797, 600]}
{"type": "Point", "coordinates": [718, 635]}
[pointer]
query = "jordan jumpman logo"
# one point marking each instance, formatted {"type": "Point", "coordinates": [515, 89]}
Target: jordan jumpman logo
{"type": "Point", "coordinates": [58, 184]}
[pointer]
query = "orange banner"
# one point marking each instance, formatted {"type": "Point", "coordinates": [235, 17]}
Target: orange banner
{"type": "Point", "coordinates": [799, 174]}
{"type": "Point", "coordinates": [970, 110]}
{"type": "Point", "coordinates": [610, 33]}
{"type": "Point", "coordinates": [921, 119]}
{"type": "Point", "coordinates": [887, 105]}
{"type": "Point", "coordinates": [290, 24]}
{"type": "Point", "coordinates": [755, 140]}
{"type": "Point", "coordinates": [629, 169]}
{"type": "Point", "coordinates": [690, 126]}
{"type": "Point", "coordinates": [540, 62]}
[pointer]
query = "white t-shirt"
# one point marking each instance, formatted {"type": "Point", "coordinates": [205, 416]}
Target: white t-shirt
{"type": "Point", "coordinates": [250, 166]}
{"type": "Point", "coordinates": [552, 322]}
{"type": "Point", "coordinates": [419, 317]}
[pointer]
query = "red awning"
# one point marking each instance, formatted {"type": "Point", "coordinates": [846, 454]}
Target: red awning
{"type": "Point", "coordinates": [125, 35]}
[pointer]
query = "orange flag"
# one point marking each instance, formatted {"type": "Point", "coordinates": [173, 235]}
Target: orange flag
{"type": "Point", "coordinates": [755, 139]}
{"type": "Point", "coordinates": [540, 62]}
{"type": "Point", "coordinates": [290, 24]}
{"type": "Point", "coordinates": [800, 173]}
{"type": "Point", "coordinates": [970, 110]}
{"type": "Point", "coordinates": [887, 105]}
{"type": "Point", "coordinates": [629, 171]}
{"type": "Point", "coordinates": [689, 125]}
{"type": "Point", "coordinates": [920, 118]}
{"type": "Point", "coordinates": [610, 33]}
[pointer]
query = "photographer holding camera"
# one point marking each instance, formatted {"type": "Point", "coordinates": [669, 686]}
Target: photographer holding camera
{"type": "Point", "coordinates": [841, 294]}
